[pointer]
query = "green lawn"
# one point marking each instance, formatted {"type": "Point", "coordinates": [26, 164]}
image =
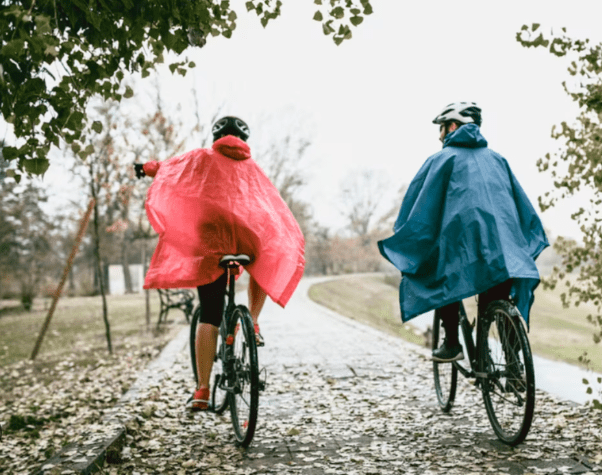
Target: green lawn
{"type": "Point", "coordinates": [77, 326]}
{"type": "Point", "coordinates": [556, 333]}
{"type": "Point", "coordinates": [368, 300]}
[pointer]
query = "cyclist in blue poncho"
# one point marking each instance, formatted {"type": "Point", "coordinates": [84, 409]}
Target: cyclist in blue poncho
{"type": "Point", "coordinates": [465, 227]}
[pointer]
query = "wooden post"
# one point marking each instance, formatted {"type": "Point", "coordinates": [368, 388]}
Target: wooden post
{"type": "Point", "coordinates": [82, 229]}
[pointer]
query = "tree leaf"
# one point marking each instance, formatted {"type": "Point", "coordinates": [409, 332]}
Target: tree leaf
{"type": "Point", "coordinates": [337, 13]}
{"type": "Point", "coordinates": [318, 16]}
{"type": "Point", "coordinates": [13, 49]}
{"type": "Point", "coordinates": [9, 153]}
{"type": "Point", "coordinates": [356, 20]}
{"type": "Point", "coordinates": [97, 126]}
{"type": "Point", "coordinates": [35, 166]}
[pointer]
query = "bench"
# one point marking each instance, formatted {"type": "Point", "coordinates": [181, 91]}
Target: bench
{"type": "Point", "coordinates": [175, 298]}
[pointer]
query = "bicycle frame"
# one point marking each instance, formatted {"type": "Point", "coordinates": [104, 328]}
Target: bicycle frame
{"type": "Point", "coordinates": [228, 309]}
{"type": "Point", "coordinates": [471, 349]}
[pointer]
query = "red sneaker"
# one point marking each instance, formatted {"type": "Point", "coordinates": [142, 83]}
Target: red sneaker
{"type": "Point", "coordinates": [258, 338]}
{"type": "Point", "coordinates": [259, 341]}
{"type": "Point", "coordinates": [200, 400]}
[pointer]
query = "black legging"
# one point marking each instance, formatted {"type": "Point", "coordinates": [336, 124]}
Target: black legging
{"type": "Point", "coordinates": [212, 297]}
{"type": "Point", "coordinates": [450, 317]}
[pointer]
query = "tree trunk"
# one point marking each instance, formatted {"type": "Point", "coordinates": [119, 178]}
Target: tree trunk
{"type": "Point", "coordinates": [146, 291]}
{"type": "Point", "coordinates": [101, 280]}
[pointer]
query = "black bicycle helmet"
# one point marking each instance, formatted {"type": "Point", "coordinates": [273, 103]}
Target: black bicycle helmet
{"type": "Point", "coordinates": [230, 126]}
{"type": "Point", "coordinates": [462, 112]}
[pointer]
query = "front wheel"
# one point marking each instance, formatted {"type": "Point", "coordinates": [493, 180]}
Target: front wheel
{"type": "Point", "coordinates": [244, 376]}
{"type": "Point", "coordinates": [446, 374]}
{"type": "Point", "coordinates": [505, 356]}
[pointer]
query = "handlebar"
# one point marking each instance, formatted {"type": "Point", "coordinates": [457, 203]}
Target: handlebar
{"type": "Point", "coordinates": [139, 168]}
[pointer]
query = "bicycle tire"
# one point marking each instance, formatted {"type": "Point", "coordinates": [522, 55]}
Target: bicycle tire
{"type": "Point", "coordinates": [445, 374]}
{"type": "Point", "coordinates": [505, 355]}
{"type": "Point", "coordinates": [193, 326]}
{"type": "Point", "coordinates": [219, 395]}
{"type": "Point", "coordinates": [244, 377]}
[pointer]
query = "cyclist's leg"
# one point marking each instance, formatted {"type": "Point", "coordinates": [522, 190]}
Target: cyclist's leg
{"type": "Point", "coordinates": [257, 298]}
{"type": "Point", "coordinates": [450, 316]}
{"type": "Point", "coordinates": [212, 297]}
{"type": "Point", "coordinates": [206, 344]}
{"type": "Point", "coordinates": [499, 292]}
{"type": "Point", "coordinates": [450, 350]}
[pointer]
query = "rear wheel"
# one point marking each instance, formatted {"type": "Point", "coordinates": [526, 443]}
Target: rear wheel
{"type": "Point", "coordinates": [219, 396]}
{"type": "Point", "coordinates": [196, 316]}
{"type": "Point", "coordinates": [244, 397]}
{"type": "Point", "coordinates": [509, 390]}
{"type": "Point", "coordinates": [446, 374]}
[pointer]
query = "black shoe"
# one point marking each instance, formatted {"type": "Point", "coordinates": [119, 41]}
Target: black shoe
{"type": "Point", "coordinates": [447, 354]}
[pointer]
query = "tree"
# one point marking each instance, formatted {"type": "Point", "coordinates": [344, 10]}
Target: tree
{"type": "Point", "coordinates": [26, 255]}
{"type": "Point", "coordinates": [318, 251]}
{"type": "Point", "coordinates": [387, 221]}
{"type": "Point", "coordinates": [362, 195]}
{"type": "Point", "coordinates": [100, 170]}
{"type": "Point", "coordinates": [283, 161]}
{"type": "Point", "coordinates": [576, 167]}
{"type": "Point", "coordinates": [8, 228]}
{"type": "Point", "coordinates": [57, 54]}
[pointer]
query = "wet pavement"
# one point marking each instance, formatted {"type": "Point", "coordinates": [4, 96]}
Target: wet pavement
{"type": "Point", "coordinates": [342, 398]}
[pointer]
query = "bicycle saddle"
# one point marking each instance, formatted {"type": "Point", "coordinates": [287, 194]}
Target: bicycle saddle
{"type": "Point", "coordinates": [234, 260]}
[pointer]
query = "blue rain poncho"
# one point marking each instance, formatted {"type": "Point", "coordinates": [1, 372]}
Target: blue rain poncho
{"type": "Point", "coordinates": [465, 225]}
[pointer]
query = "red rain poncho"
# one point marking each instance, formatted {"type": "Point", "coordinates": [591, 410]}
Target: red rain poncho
{"type": "Point", "coordinates": [211, 202]}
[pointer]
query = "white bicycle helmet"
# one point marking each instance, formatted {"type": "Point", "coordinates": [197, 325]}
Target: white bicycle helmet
{"type": "Point", "coordinates": [463, 112]}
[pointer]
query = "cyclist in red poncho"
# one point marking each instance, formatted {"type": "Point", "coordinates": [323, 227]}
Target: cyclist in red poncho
{"type": "Point", "coordinates": [210, 202]}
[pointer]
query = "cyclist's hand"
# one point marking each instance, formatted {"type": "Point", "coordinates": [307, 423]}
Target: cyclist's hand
{"type": "Point", "coordinates": [139, 170]}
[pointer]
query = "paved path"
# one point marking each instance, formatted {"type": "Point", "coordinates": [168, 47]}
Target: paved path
{"type": "Point", "coordinates": [343, 398]}
{"type": "Point", "coordinates": [379, 406]}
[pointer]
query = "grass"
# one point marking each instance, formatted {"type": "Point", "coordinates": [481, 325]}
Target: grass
{"type": "Point", "coordinates": [76, 326]}
{"type": "Point", "coordinates": [556, 333]}
{"type": "Point", "coordinates": [366, 299]}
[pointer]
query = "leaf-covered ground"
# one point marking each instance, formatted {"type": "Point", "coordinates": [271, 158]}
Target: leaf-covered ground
{"type": "Point", "coordinates": [341, 398]}
{"type": "Point", "coordinates": [46, 404]}
{"type": "Point", "coordinates": [371, 422]}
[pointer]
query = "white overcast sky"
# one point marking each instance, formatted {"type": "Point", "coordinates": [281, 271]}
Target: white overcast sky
{"type": "Point", "coordinates": [369, 103]}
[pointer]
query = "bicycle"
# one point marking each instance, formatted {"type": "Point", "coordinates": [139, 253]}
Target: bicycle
{"type": "Point", "coordinates": [235, 372]}
{"type": "Point", "coordinates": [502, 364]}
